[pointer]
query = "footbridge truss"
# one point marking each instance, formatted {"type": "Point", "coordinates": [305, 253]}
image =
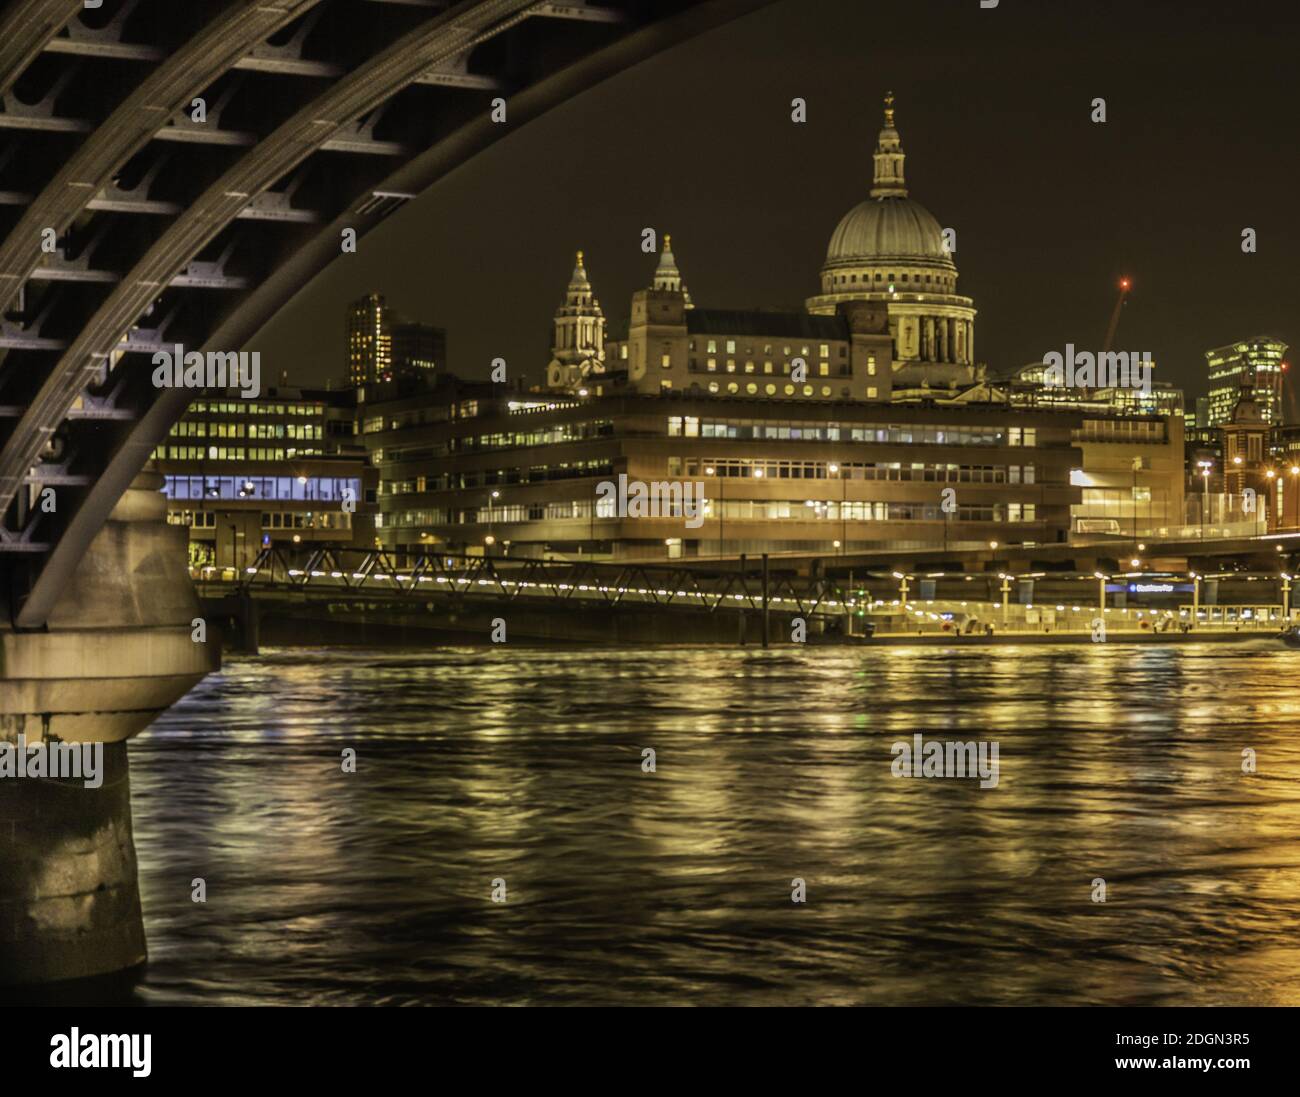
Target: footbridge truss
{"type": "Point", "coordinates": [341, 575]}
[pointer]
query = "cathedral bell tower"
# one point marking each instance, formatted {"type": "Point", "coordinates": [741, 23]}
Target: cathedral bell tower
{"type": "Point", "coordinates": [578, 349]}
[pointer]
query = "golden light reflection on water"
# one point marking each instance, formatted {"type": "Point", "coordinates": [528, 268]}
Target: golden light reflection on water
{"type": "Point", "coordinates": [1116, 763]}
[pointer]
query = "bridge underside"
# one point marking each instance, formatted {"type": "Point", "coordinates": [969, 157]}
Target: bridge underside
{"type": "Point", "coordinates": [174, 173]}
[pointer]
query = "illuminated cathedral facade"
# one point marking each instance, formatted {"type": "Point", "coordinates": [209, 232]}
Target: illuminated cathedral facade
{"type": "Point", "coordinates": [887, 325]}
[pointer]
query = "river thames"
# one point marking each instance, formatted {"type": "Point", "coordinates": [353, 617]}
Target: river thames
{"type": "Point", "coordinates": [524, 765]}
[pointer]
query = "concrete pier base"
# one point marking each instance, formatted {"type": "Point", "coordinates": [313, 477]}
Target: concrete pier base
{"type": "Point", "coordinates": [116, 651]}
{"type": "Point", "coordinates": [69, 900]}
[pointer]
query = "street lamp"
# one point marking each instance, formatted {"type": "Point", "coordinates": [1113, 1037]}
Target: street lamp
{"type": "Point", "coordinates": [844, 506]}
{"type": "Point", "coordinates": [1205, 467]}
{"type": "Point", "coordinates": [1137, 465]}
{"type": "Point", "coordinates": [489, 540]}
{"type": "Point", "coordinates": [834, 470]}
{"type": "Point", "coordinates": [709, 470]}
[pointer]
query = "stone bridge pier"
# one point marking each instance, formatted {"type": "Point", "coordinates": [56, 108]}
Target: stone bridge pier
{"type": "Point", "coordinates": [115, 652]}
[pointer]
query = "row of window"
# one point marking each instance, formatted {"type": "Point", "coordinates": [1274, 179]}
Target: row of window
{"type": "Point", "coordinates": [821, 369]}
{"type": "Point", "coordinates": [917, 472]}
{"type": "Point", "coordinates": [751, 389]}
{"type": "Point", "coordinates": [253, 407]}
{"type": "Point", "coordinates": [287, 488]}
{"type": "Point", "coordinates": [474, 478]}
{"type": "Point", "coordinates": [564, 432]}
{"type": "Point", "coordinates": [938, 280]}
{"type": "Point", "coordinates": [414, 417]}
{"type": "Point", "coordinates": [206, 519]}
{"type": "Point", "coordinates": [188, 428]}
{"type": "Point", "coordinates": [692, 427]}
{"type": "Point", "coordinates": [235, 453]}
{"type": "Point", "coordinates": [730, 509]}
{"type": "Point", "coordinates": [805, 350]}
{"type": "Point", "coordinates": [1123, 430]}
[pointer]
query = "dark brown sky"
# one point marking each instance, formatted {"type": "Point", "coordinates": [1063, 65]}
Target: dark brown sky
{"type": "Point", "coordinates": [993, 108]}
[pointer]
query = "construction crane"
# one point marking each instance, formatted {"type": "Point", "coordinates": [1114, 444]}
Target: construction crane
{"type": "Point", "coordinates": [1124, 285]}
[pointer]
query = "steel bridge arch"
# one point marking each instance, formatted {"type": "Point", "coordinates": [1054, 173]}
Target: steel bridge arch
{"type": "Point", "coordinates": [93, 366]}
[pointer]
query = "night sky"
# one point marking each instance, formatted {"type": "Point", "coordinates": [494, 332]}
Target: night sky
{"type": "Point", "coordinates": [994, 112]}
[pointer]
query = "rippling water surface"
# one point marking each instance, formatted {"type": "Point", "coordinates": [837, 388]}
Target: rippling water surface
{"type": "Point", "coordinates": [674, 887]}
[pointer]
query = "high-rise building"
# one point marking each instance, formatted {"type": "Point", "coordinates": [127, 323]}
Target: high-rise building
{"type": "Point", "coordinates": [415, 348]}
{"type": "Point", "coordinates": [383, 345]}
{"type": "Point", "coordinates": [1255, 362]}
{"type": "Point", "coordinates": [370, 352]}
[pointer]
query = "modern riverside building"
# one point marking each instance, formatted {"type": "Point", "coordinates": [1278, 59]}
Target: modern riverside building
{"type": "Point", "coordinates": [1257, 362]}
{"type": "Point", "coordinates": [245, 474]}
{"type": "Point", "coordinates": [1131, 475]}
{"type": "Point", "coordinates": [467, 467]}
{"type": "Point", "coordinates": [1133, 445]}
